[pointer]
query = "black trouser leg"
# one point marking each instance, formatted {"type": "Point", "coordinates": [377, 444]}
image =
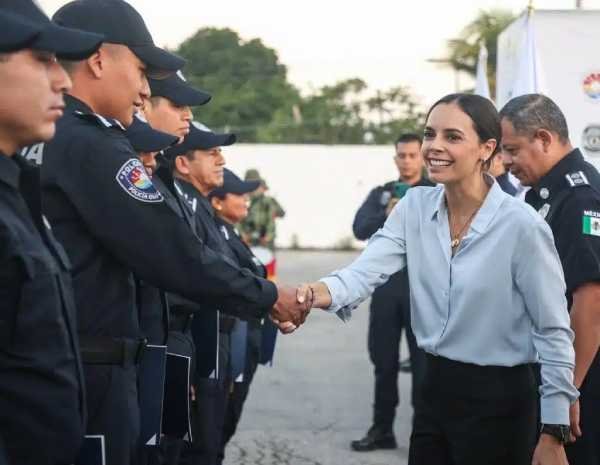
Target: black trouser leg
{"type": "Point", "coordinates": [240, 391]}
{"type": "Point", "coordinates": [474, 415]}
{"type": "Point", "coordinates": [208, 412]}
{"type": "Point", "coordinates": [586, 450]}
{"type": "Point", "coordinates": [385, 326]}
{"type": "Point", "coordinates": [113, 410]}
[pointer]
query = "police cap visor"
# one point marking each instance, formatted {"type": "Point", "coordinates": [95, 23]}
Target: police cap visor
{"type": "Point", "coordinates": [198, 139]}
{"type": "Point", "coordinates": [232, 184]}
{"type": "Point", "coordinates": [144, 138]}
{"type": "Point", "coordinates": [178, 91]}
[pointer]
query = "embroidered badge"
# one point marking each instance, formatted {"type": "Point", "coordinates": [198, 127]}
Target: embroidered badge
{"type": "Point", "coordinates": [591, 225]}
{"type": "Point", "coordinates": [133, 179]}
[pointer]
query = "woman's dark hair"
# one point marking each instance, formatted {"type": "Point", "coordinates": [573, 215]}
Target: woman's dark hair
{"type": "Point", "coordinates": [482, 112]}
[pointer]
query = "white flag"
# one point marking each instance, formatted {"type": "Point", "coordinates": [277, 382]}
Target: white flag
{"type": "Point", "coordinates": [482, 86]}
{"type": "Point", "coordinates": [529, 76]}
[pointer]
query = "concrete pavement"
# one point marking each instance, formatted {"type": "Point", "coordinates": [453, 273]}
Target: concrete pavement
{"type": "Point", "coordinates": [317, 397]}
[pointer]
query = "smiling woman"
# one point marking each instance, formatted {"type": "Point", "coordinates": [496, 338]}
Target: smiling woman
{"type": "Point", "coordinates": [483, 313]}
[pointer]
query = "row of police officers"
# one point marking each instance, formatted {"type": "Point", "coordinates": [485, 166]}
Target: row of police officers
{"type": "Point", "coordinates": [103, 249]}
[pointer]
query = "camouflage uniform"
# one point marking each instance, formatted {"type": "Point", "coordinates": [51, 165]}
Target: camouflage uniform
{"type": "Point", "coordinates": [259, 227]}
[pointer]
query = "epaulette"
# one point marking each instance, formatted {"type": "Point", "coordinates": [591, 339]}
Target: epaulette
{"type": "Point", "coordinates": [577, 179]}
{"type": "Point", "coordinates": [105, 122]}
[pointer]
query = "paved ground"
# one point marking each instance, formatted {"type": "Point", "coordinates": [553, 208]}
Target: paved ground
{"type": "Point", "coordinates": [317, 396]}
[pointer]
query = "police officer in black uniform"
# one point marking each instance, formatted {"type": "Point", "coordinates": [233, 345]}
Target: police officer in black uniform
{"type": "Point", "coordinates": [101, 200]}
{"type": "Point", "coordinates": [198, 165]}
{"type": "Point", "coordinates": [390, 304]}
{"type": "Point", "coordinates": [41, 379]}
{"type": "Point", "coordinates": [227, 216]}
{"type": "Point", "coordinates": [565, 190]}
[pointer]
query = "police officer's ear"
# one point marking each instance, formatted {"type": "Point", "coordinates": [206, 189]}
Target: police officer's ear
{"type": "Point", "coordinates": [182, 164]}
{"type": "Point", "coordinates": [96, 63]}
{"type": "Point", "coordinates": [546, 138]}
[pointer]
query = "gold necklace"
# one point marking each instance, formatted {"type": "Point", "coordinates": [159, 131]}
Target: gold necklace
{"type": "Point", "coordinates": [455, 242]}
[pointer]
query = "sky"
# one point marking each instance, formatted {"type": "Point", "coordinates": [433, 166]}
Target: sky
{"type": "Point", "coordinates": [384, 42]}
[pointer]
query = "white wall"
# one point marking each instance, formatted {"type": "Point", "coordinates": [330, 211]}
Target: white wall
{"type": "Point", "coordinates": [319, 186]}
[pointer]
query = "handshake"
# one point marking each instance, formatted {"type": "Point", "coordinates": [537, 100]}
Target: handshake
{"type": "Point", "coordinates": [294, 304]}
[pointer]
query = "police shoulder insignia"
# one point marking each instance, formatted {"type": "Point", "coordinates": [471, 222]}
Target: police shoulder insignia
{"type": "Point", "coordinates": [576, 179]}
{"type": "Point", "coordinates": [133, 179]}
{"type": "Point", "coordinates": [591, 223]}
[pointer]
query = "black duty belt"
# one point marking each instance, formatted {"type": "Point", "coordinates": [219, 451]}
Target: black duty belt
{"type": "Point", "coordinates": [106, 350]}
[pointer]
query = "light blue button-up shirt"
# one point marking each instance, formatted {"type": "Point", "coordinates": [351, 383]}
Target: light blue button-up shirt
{"type": "Point", "coordinates": [500, 300]}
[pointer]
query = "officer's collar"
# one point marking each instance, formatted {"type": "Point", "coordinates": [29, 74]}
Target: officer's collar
{"type": "Point", "coordinates": [81, 109]}
{"type": "Point", "coordinates": [10, 170]}
{"type": "Point", "coordinates": [556, 179]}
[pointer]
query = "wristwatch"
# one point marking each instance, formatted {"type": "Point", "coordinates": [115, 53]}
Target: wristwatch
{"type": "Point", "coordinates": [561, 432]}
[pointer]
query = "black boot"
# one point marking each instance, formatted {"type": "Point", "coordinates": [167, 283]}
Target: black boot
{"type": "Point", "coordinates": [376, 438]}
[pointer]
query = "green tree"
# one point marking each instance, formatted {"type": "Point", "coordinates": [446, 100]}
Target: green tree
{"type": "Point", "coordinates": [464, 51]}
{"type": "Point", "coordinates": [393, 112]}
{"type": "Point", "coordinates": [248, 83]}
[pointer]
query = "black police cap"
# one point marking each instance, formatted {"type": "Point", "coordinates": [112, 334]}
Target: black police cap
{"type": "Point", "coordinates": [232, 184]}
{"type": "Point", "coordinates": [200, 138]}
{"type": "Point", "coordinates": [144, 138]}
{"type": "Point", "coordinates": [16, 32]}
{"type": "Point", "coordinates": [121, 24]}
{"type": "Point", "coordinates": [66, 43]}
{"type": "Point", "coordinates": [177, 90]}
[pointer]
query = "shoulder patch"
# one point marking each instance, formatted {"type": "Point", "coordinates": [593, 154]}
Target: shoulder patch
{"type": "Point", "coordinates": [133, 179]}
{"type": "Point", "coordinates": [577, 179]}
{"type": "Point", "coordinates": [591, 223]}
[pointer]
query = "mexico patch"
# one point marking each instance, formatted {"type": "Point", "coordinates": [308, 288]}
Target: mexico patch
{"type": "Point", "coordinates": [591, 225]}
{"type": "Point", "coordinates": [132, 177]}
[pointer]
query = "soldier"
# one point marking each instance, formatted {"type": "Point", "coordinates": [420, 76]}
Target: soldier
{"type": "Point", "coordinates": [565, 190]}
{"type": "Point", "coordinates": [102, 201]}
{"type": "Point", "coordinates": [41, 380]}
{"type": "Point", "coordinates": [260, 227]}
{"type": "Point", "coordinates": [390, 305]}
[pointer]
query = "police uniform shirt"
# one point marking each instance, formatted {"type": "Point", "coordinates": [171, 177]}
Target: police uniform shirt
{"type": "Point", "coordinates": [41, 393]}
{"type": "Point", "coordinates": [486, 304]}
{"type": "Point", "coordinates": [371, 214]}
{"type": "Point", "coordinates": [568, 197]}
{"type": "Point", "coordinates": [113, 221]}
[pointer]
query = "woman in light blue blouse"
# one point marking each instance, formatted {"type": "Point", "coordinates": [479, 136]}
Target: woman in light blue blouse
{"type": "Point", "coordinates": [487, 298]}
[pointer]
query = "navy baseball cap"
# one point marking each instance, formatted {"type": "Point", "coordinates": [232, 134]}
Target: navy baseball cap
{"type": "Point", "coordinates": [144, 138]}
{"type": "Point", "coordinates": [16, 32]}
{"type": "Point", "coordinates": [232, 184]}
{"type": "Point", "coordinates": [121, 24]}
{"type": "Point", "coordinates": [176, 89]}
{"type": "Point", "coordinates": [200, 138]}
{"type": "Point", "coordinates": [66, 43]}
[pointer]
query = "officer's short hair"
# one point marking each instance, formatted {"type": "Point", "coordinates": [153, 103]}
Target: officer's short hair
{"type": "Point", "coordinates": [3, 57]}
{"type": "Point", "coordinates": [531, 112]}
{"type": "Point", "coordinates": [408, 137]}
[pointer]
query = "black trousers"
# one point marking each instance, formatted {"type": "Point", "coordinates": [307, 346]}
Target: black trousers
{"type": "Point", "coordinates": [239, 391]}
{"type": "Point", "coordinates": [208, 412]}
{"type": "Point", "coordinates": [113, 410]}
{"type": "Point", "coordinates": [474, 415]}
{"type": "Point", "coordinates": [390, 313]}
{"type": "Point", "coordinates": [586, 450]}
